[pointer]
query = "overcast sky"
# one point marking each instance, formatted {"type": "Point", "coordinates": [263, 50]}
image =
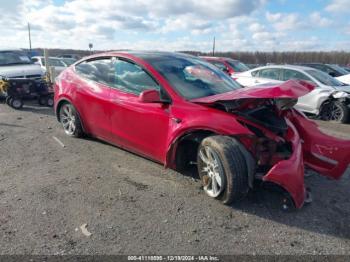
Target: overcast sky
{"type": "Point", "coordinates": [238, 25]}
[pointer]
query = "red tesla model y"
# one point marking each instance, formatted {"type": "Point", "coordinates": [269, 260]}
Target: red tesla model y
{"type": "Point", "coordinates": [182, 111]}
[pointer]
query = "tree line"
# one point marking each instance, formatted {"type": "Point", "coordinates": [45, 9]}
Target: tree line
{"type": "Point", "coordinates": [288, 57]}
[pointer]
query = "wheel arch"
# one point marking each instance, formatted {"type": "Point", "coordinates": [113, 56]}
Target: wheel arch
{"type": "Point", "coordinates": [183, 141]}
{"type": "Point", "coordinates": [59, 105]}
{"type": "Point", "coordinates": [188, 142]}
{"type": "Point", "coordinates": [63, 101]}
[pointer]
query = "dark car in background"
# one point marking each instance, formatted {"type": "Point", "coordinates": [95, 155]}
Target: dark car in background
{"type": "Point", "coordinates": [332, 70]}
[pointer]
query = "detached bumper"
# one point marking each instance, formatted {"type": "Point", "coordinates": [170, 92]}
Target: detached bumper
{"type": "Point", "coordinates": [289, 174]}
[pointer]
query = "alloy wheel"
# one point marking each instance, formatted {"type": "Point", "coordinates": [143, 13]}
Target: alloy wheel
{"type": "Point", "coordinates": [68, 119]}
{"type": "Point", "coordinates": [332, 112]}
{"type": "Point", "coordinates": [213, 173]}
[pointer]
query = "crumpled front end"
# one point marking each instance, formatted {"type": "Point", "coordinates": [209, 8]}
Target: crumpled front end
{"type": "Point", "coordinates": [328, 155]}
{"type": "Point", "coordinates": [289, 173]}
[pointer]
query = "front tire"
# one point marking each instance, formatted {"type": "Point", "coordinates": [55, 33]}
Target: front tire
{"type": "Point", "coordinates": [335, 111]}
{"type": "Point", "coordinates": [8, 100]}
{"type": "Point", "coordinates": [222, 168]}
{"type": "Point", "coordinates": [16, 103]}
{"type": "Point", "coordinates": [70, 120]}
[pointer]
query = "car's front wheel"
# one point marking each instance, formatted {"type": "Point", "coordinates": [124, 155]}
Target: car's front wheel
{"type": "Point", "coordinates": [335, 111]}
{"type": "Point", "coordinates": [222, 168]}
{"type": "Point", "coordinates": [70, 120]}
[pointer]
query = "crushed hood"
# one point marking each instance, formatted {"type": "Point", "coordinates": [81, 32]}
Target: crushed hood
{"type": "Point", "coordinates": [290, 89]}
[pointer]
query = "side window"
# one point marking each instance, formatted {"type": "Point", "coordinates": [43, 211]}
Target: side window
{"type": "Point", "coordinates": [255, 73]}
{"type": "Point", "coordinates": [132, 78]}
{"type": "Point", "coordinates": [294, 75]}
{"type": "Point", "coordinates": [270, 73]}
{"type": "Point", "coordinates": [99, 70]}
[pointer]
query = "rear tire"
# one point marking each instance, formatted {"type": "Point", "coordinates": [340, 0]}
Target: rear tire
{"type": "Point", "coordinates": [70, 120]}
{"type": "Point", "coordinates": [222, 168]}
{"type": "Point", "coordinates": [50, 102]}
{"type": "Point", "coordinates": [42, 100]}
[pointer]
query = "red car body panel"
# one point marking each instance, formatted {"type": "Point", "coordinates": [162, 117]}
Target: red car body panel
{"type": "Point", "coordinates": [289, 173]}
{"type": "Point", "coordinates": [289, 89]}
{"type": "Point", "coordinates": [154, 129]}
{"type": "Point", "coordinates": [326, 154]}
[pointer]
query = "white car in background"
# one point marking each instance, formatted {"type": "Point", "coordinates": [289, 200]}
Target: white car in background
{"type": "Point", "coordinates": [53, 62]}
{"type": "Point", "coordinates": [344, 79]}
{"type": "Point", "coordinates": [329, 100]}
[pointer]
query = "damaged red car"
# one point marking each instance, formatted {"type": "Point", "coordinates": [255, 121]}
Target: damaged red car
{"type": "Point", "coordinates": [185, 113]}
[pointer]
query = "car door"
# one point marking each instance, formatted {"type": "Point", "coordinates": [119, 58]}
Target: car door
{"type": "Point", "coordinates": [92, 95]}
{"type": "Point", "coordinates": [137, 126]}
{"type": "Point", "coordinates": [259, 76]}
{"type": "Point", "coordinates": [270, 73]}
{"type": "Point", "coordinates": [309, 102]}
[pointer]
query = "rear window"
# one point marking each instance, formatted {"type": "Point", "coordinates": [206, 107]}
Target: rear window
{"type": "Point", "coordinates": [237, 66]}
{"type": "Point", "coordinates": [324, 78]}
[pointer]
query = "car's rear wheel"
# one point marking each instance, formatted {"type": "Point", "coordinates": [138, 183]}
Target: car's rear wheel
{"type": "Point", "coordinates": [335, 111]}
{"type": "Point", "coordinates": [50, 102]}
{"type": "Point", "coordinates": [70, 120]}
{"type": "Point", "coordinates": [222, 168]}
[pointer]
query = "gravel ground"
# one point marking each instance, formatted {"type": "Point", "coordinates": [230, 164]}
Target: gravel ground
{"type": "Point", "coordinates": [134, 206]}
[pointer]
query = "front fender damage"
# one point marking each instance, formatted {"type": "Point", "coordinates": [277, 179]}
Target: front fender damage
{"type": "Point", "coordinates": [289, 173]}
{"type": "Point", "coordinates": [328, 155]}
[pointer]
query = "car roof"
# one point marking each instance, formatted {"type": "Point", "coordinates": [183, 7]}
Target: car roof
{"type": "Point", "coordinates": [142, 54]}
{"type": "Point", "coordinates": [11, 49]}
{"type": "Point", "coordinates": [296, 67]}
{"type": "Point", "coordinates": [51, 57]}
{"type": "Point", "coordinates": [219, 58]}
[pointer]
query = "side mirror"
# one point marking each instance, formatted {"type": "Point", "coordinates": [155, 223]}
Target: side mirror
{"type": "Point", "coordinates": [150, 96]}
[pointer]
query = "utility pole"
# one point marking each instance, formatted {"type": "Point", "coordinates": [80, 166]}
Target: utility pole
{"type": "Point", "coordinates": [90, 47]}
{"type": "Point", "coordinates": [30, 40]}
{"type": "Point", "coordinates": [214, 47]}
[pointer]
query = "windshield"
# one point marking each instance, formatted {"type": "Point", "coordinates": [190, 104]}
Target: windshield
{"type": "Point", "coordinates": [339, 69]}
{"type": "Point", "coordinates": [68, 61]}
{"type": "Point", "coordinates": [324, 78]}
{"type": "Point", "coordinates": [13, 58]}
{"type": "Point", "coordinates": [53, 62]}
{"type": "Point", "coordinates": [237, 66]}
{"type": "Point", "coordinates": [192, 77]}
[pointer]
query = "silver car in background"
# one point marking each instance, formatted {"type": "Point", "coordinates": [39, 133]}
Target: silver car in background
{"type": "Point", "coordinates": [15, 63]}
{"type": "Point", "coordinates": [329, 100]}
{"type": "Point", "coordinates": [52, 61]}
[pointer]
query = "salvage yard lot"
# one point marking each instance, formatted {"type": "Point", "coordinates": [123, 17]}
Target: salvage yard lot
{"type": "Point", "coordinates": [135, 206]}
